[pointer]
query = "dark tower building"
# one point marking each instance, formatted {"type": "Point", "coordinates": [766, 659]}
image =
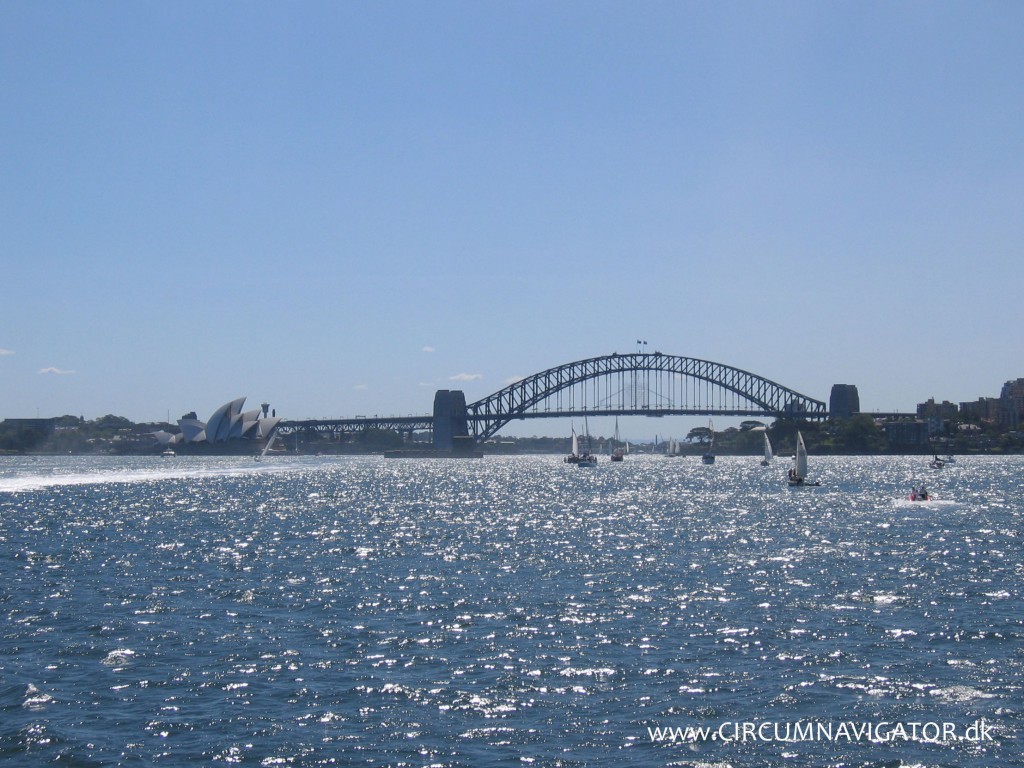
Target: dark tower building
{"type": "Point", "coordinates": [450, 423]}
{"type": "Point", "coordinates": [844, 401]}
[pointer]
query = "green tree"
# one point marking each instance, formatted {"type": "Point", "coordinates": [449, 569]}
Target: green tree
{"type": "Point", "coordinates": [110, 424]}
{"type": "Point", "coordinates": [379, 440]}
{"type": "Point", "coordinates": [699, 434]}
{"type": "Point", "coordinates": [860, 434]}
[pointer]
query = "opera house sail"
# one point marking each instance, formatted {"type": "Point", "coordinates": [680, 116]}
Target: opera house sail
{"type": "Point", "coordinates": [228, 430]}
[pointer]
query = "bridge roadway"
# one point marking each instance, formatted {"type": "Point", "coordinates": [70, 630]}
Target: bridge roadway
{"type": "Point", "coordinates": [410, 424]}
{"type": "Point", "coordinates": [640, 384]}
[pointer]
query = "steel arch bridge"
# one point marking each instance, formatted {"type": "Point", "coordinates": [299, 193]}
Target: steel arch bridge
{"type": "Point", "coordinates": [642, 384]}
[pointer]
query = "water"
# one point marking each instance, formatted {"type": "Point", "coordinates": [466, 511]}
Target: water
{"type": "Point", "coordinates": [508, 611]}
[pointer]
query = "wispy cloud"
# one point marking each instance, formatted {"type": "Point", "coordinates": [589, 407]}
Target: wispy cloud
{"type": "Point", "coordinates": [513, 380]}
{"type": "Point", "coordinates": [429, 349]}
{"type": "Point", "coordinates": [6, 352]}
{"type": "Point", "coordinates": [466, 377]}
{"type": "Point", "coordinates": [57, 371]}
{"type": "Point", "coordinates": [361, 386]}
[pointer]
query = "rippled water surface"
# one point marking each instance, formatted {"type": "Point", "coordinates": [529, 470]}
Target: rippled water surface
{"type": "Point", "coordinates": [506, 611]}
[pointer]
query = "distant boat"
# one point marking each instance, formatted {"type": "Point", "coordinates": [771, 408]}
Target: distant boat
{"type": "Point", "coordinates": [168, 452]}
{"type": "Point", "coordinates": [270, 442]}
{"type": "Point", "coordinates": [709, 456]}
{"type": "Point", "coordinates": [618, 454]}
{"type": "Point", "coordinates": [584, 459]}
{"type": "Point", "coordinates": [936, 463]}
{"type": "Point", "coordinates": [587, 459]}
{"type": "Point", "coordinates": [919, 493]}
{"type": "Point", "coordinates": [574, 455]}
{"type": "Point", "coordinates": [798, 474]}
{"type": "Point", "coordinates": [767, 451]}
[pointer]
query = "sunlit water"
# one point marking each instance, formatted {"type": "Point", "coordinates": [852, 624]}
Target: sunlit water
{"type": "Point", "coordinates": [505, 611]}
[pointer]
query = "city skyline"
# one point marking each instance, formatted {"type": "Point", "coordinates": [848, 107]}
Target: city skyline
{"type": "Point", "coordinates": [340, 208]}
{"type": "Point", "coordinates": [1004, 410]}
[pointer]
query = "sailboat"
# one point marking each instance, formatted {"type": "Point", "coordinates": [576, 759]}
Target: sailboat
{"type": "Point", "coordinates": [587, 459]}
{"type": "Point", "coordinates": [767, 451]}
{"type": "Point", "coordinates": [581, 459]}
{"type": "Point", "coordinates": [709, 456]}
{"type": "Point", "coordinates": [798, 474]}
{"type": "Point", "coordinates": [617, 454]}
{"type": "Point", "coordinates": [574, 456]}
{"type": "Point", "coordinates": [270, 442]}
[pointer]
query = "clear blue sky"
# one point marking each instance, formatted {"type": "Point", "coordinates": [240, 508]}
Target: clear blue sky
{"type": "Point", "coordinates": [339, 207]}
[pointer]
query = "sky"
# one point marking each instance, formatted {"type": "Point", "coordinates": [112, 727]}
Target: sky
{"type": "Point", "coordinates": [340, 207]}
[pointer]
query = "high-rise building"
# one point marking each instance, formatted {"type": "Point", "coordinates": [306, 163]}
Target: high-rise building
{"type": "Point", "coordinates": [1011, 404]}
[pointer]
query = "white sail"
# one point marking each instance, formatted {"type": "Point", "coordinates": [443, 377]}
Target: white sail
{"type": "Point", "coordinates": [767, 449]}
{"type": "Point", "coordinates": [575, 444]}
{"type": "Point", "coordinates": [270, 442]}
{"type": "Point", "coordinates": [800, 460]}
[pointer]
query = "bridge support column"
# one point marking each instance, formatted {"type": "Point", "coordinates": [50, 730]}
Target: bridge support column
{"type": "Point", "coordinates": [844, 401]}
{"type": "Point", "coordinates": [450, 420]}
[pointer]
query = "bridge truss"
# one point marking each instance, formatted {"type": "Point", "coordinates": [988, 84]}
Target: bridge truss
{"type": "Point", "coordinates": [639, 384]}
{"type": "Point", "coordinates": [644, 384]}
{"type": "Point", "coordinates": [336, 427]}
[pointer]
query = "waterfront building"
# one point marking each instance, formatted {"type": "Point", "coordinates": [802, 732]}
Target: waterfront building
{"type": "Point", "coordinates": [1011, 404]}
{"type": "Point", "coordinates": [229, 424]}
{"type": "Point", "coordinates": [982, 409]}
{"type": "Point", "coordinates": [907, 434]}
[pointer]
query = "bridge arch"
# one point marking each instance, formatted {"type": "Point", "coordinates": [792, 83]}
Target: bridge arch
{"type": "Point", "coordinates": [647, 384]}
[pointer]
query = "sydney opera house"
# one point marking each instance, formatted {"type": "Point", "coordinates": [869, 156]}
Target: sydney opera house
{"type": "Point", "coordinates": [229, 429]}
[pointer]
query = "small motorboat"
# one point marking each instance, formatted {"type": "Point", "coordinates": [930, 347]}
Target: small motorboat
{"type": "Point", "coordinates": [919, 493]}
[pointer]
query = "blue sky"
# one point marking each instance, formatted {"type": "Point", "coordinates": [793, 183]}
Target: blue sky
{"type": "Point", "coordinates": [340, 207]}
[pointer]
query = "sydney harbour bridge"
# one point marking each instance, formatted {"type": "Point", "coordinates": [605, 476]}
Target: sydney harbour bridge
{"type": "Point", "coordinates": [636, 384]}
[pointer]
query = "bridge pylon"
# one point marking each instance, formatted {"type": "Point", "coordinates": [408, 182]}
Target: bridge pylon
{"type": "Point", "coordinates": [450, 420]}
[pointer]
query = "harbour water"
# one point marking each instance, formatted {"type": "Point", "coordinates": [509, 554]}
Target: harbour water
{"type": "Point", "coordinates": [510, 611]}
